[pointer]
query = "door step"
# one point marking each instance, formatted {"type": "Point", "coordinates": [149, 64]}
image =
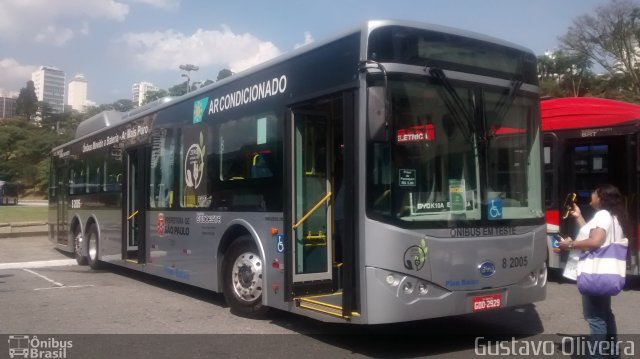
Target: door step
{"type": "Point", "coordinates": [330, 304]}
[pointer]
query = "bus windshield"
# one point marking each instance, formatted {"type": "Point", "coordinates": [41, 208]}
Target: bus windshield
{"type": "Point", "coordinates": [438, 166]}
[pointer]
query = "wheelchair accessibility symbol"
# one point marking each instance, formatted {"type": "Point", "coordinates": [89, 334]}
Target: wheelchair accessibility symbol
{"type": "Point", "coordinates": [495, 209]}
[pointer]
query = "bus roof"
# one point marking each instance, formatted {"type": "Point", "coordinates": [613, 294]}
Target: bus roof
{"type": "Point", "coordinates": [103, 121]}
{"type": "Point", "coordinates": [584, 112]}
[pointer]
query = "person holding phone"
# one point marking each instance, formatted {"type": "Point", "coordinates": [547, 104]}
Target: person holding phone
{"type": "Point", "coordinates": [608, 203]}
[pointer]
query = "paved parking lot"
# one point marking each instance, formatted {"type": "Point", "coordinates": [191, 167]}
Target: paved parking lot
{"type": "Point", "coordinates": [43, 291]}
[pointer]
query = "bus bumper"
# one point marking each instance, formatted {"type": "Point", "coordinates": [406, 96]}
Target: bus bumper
{"type": "Point", "coordinates": [397, 297]}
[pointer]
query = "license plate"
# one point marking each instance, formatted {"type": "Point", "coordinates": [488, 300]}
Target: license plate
{"type": "Point", "coordinates": [486, 302]}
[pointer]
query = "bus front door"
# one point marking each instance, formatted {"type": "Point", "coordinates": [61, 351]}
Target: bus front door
{"type": "Point", "coordinates": [312, 199]}
{"type": "Point", "coordinates": [135, 164]}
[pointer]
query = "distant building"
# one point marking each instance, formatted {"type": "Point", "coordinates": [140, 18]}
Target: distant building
{"type": "Point", "coordinates": [7, 107]}
{"type": "Point", "coordinates": [139, 91]}
{"type": "Point", "coordinates": [77, 95]}
{"type": "Point", "coordinates": [50, 83]}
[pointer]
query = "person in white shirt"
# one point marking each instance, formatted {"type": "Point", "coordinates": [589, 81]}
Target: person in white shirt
{"type": "Point", "coordinates": [608, 203]}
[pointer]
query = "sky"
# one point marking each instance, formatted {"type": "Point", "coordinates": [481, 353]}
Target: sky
{"type": "Point", "coordinates": [116, 43]}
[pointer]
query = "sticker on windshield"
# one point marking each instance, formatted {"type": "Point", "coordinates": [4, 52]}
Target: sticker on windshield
{"type": "Point", "coordinates": [494, 208]}
{"type": "Point", "coordinates": [406, 178]}
{"type": "Point", "coordinates": [457, 195]}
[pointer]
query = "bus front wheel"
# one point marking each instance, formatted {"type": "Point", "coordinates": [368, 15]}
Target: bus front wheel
{"type": "Point", "coordinates": [243, 278]}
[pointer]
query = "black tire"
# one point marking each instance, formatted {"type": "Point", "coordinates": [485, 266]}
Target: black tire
{"type": "Point", "coordinates": [92, 247]}
{"type": "Point", "coordinates": [242, 273]}
{"type": "Point", "coordinates": [81, 255]}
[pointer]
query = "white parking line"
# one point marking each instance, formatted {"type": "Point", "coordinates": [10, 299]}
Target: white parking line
{"type": "Point", "coordinates": [66, 286]}
{"type": "Point", "coordinates": [43, 277]}
{"type": "Point", "coordinates": [56, 285]}
{"type": "Point", "coordinates": [38, 264]}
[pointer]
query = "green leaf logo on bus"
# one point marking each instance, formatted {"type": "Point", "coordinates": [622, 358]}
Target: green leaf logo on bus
{"type": "Point", "coordinates": [194, 164]}
{"type": "Point", "coordinates": [416, 256]}
{"type": "Point", "coordinates": [198, 109]}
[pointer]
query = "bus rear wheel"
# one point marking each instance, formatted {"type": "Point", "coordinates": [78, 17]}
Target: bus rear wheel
{"type": "Point", "coordinates": [243, 278]}
{"type": "Point", "coordinates": [81, 258]}
{"type": "Point", "coordinates": [92, 247]}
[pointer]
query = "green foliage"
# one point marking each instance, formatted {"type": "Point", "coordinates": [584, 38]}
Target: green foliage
{"type": "Point", "coordinates": [123, 105]}
{"type": "Point", "coordinates": [27, 102]}
{"type": "Point", "coordinates": [11, 133]}
{"type": "Point", "coordinates": [223, 74]}
{"type": "Point", "coordinates": [151, 96]}
{"type": "Point", "coordinates": [45, 113]}
{"type": "Point", "coordinates": [25, 148]}
{"type": "Point", "coordinates": [178, 90]}
{"type": "Point", "coordinates": [610, 38]}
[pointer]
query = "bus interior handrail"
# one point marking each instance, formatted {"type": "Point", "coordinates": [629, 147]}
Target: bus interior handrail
{"type": "Point", "coordinates": [304, 218]}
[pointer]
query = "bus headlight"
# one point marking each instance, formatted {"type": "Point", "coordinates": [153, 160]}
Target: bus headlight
{"type": "Point", "coordinates": [423, 288]}
{"type": "Point", "coordinates": [392, 280]}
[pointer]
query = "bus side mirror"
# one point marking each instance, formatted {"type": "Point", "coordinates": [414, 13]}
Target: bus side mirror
{"type": "Point", "coordinates": [377, 126]}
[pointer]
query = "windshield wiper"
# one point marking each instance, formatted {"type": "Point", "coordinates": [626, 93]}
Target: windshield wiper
{"type": "Point", "coordinates": [503, 104]}
{"type": "Point", "coordinates": [507, 98]}
{"type": "Point", "coordinates": [454, 104]}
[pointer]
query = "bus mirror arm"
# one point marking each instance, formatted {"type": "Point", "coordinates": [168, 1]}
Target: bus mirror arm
{"type": "Point", "coordinates": [377, 124]}
{"type": "Point", "coordinates": [378, 111]}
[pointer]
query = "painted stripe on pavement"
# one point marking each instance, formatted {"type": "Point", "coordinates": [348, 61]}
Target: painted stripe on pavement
{"type": "Point", "coordinates": [57, 284]}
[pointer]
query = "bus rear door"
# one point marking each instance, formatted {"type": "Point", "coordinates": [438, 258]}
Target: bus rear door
{"type": "Point", "coordinates": [134, 210]}
{"type": "Point", "coordinates": [62, 200]}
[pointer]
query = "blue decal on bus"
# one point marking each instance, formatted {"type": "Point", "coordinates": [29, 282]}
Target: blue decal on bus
{"type": "Point", "coordinates": [280, 243]}
{"type": "Point", "coordinates": [198, 109]}
{"type": "Point", "coordinates": [494, 208]}
{"type": "Point", "coordinates": [487, 269]}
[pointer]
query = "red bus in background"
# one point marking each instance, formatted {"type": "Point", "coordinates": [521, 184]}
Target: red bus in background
{"type": "Point", "coordinates": [587, 142]}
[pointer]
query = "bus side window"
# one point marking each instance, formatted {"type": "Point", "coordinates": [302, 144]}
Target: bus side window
{"type": "Point", "coordinates": [162, 168]}
{"type": "Point", "coordinates": [243, 170]}
{"type": "Point", "coordinates": [260, 167]}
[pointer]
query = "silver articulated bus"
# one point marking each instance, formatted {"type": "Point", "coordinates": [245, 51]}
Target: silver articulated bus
{"type": "Point", "coordinates": [391, 174]}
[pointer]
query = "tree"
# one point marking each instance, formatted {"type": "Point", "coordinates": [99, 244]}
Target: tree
{"type": "Point", "coordinates": [123, 105]}
{"type": "Point", "coordinates": [94, 110]}
{"type": "Point", "coordinates": [223, 74]}
{"type": "Point", "coordinates": [45, 114]}
{"type": "Point", "coordinates": [11, 132]}
{"type": "Point", "coordinates": [611, 39]}
{"type": "Point", "coordinates": [26, 152]}
{"type": "Point", "coordinates": [178, 90]}
{"type": "Point", "coordinates": [151, 96]}
{"type": "Point", "coordinates": [563, 73]}
{"type": "Point", "coordinates": [27, 102]}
